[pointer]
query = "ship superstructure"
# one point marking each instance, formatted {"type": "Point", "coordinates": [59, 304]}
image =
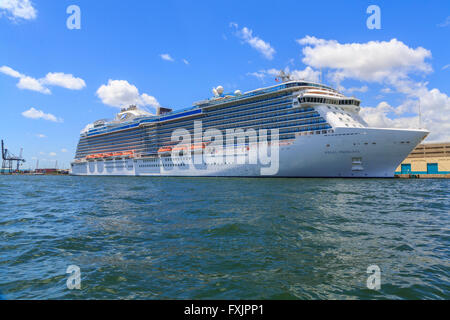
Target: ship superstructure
{"type": "Point", "coordinates": [319, 133]}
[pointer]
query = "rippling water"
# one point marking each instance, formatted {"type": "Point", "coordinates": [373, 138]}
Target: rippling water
{"type": "Point", "coordinates": [208, 238]}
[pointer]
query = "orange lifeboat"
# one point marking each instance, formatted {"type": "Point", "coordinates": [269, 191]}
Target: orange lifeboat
{"type": "Point", "coordinates": [128, 154]}
{"type": "Point", "coordinates": [165, 149]}
{"type": "Point", "coordinates": [180, 148]}
{"type": "Point", "coordinates": [197, 146]}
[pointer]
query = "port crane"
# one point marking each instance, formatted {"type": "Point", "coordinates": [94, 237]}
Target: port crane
{"type": "Point", "coordinates": [9, 159]}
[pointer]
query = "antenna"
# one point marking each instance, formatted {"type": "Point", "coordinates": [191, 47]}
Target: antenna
{"type": "Point", "coordinates": [284, 76]}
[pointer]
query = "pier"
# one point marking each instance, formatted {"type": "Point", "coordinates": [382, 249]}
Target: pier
{"type": "Point", "coordinates": [426, 161]}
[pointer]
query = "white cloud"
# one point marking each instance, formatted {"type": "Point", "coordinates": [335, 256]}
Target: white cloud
{"type": "Point", "coordinates": [167, 57]}
{"type": "Point", "coordinates": [391, 63]}
{"type": "Point", "coordinates": [256, 43]}
{"type": "Point", "coordinates": [59, 79]}
{"type": "Point", "coordinates": [67, 81]}
{"type": "Point", "coordinates": [185, 62]}
{"type": "Point", "coordinates": [22, 9]}
{"type": "Point", "coordinates": [63, 150]}
{"type": "Point", "coordinates": [32, 84]}
{"type": "Point", "coordinates": [120, 93]}
{"type": "Point", "coordinates": [434, 109]}
{"type": "Point", "coordinates": [446, 67]}
{"type": "Point", "coordinates": [374, 61]}
{"type": "Point", "coordinates": [11, 72]}
{"type": "Point", "coordinates": [355, 89]}
{"type": "Point", "coordinates": [445, 23]}
{"type": "Point", "coordinates": [147, 100]}
{"type": "Point", "coordinates": [41, 136]}
{"type": "Point", "coordinates": [307, 74]}
{"type": "Point", "coordinates": [33, 113]}
{"type": "Point", "coordinates": [52, 154]}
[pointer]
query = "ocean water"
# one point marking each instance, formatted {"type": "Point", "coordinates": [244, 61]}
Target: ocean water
{"type": "Point", "coordinates": [214, 238]}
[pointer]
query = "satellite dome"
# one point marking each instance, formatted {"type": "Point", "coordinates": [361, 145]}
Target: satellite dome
{"type": "Point", "coordinates": [219, 90]}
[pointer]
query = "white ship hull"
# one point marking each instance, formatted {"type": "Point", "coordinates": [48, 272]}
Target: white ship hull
{"type": "Point", "coordinates": [348, 152]}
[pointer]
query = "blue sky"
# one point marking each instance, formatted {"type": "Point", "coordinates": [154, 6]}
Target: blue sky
{"type": "Point", "coordinates": [50, 75]}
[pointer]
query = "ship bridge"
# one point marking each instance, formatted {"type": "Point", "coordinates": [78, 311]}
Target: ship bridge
{"type": "Point", "coordinates": [314, 98]}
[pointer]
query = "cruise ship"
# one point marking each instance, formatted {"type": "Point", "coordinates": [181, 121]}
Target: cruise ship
{"type": "Point", "coordinates": [292, 129]}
